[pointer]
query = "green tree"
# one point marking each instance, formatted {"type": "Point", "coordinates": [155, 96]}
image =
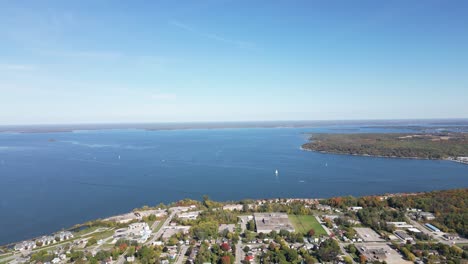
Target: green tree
{"type": "Point", "coordinates": [352, 249]}
{"type": "Point", "coordinates": [329, 250]}
{"type": "Point", "coordinates": [246, 249]}
{"type": "Point", "coordinates": [205, 230]}
{"type": "Point", "coordinates": [251, 225]}
{"type": "Point", "coordinates": [348, 259]}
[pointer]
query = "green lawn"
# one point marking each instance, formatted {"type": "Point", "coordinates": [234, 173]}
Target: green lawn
{"type": "Point", "coordinates": [86, 231]}
{"type": "Point", "coordinates": [5, 255]}
{"type": "Point", "coordinates": [160, 224]}
{"type": "Point", "coordinates": [103, 234]}
{"type": "Point", "coordinates": [303, 223]}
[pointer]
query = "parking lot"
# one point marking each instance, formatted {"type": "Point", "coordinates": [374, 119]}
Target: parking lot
{"type": "Point", "coordinates": [389, 255]}
{"type": "Point", "coordinates": [368, 235]}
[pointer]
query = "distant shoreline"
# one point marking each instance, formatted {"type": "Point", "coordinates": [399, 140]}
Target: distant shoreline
{"type": "Point", "coordinates": [451, 146]}
{"type": "Point", "coordinates": [378, 156]}
{"type": "Point", "coordinates": [67, 128]}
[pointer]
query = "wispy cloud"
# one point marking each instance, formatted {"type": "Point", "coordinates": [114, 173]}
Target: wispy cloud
{"type": "Point", "coordinates": [16, 67]}
{"type": "Point", "coordinates": [212, 36]}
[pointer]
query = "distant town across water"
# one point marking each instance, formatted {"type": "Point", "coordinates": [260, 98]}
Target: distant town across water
{"type": "Point", "coordinates": [56, 176]}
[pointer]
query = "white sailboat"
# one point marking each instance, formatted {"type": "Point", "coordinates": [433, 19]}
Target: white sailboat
{"type": "Point", "coordinates": [276, 172]}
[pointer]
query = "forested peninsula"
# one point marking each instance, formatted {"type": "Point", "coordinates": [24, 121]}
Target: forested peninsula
{"type": "Point", "coordinates": [399, 145]}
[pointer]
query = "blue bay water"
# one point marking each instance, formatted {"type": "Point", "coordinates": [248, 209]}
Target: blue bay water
{"type": "Point", "coordinates": [47, 185]}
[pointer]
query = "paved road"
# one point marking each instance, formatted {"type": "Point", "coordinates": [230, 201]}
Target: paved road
{"type": "Point", "coordinates": [53, 246]}
{"type": "Point", "coordinates": [435, 235]}
{"type": "Point", "coordinates": [161, 230]}
{"type": "Point", "coordinates": [121, 259]}
{"type": "Point", "coordinates": [96, 247]}
{"type": "Point", "coordinates": [180, 256]}
{"type": "Point", "coordinates": [154, 225]}
{"type": "Point", "coordinates": [324, 227]}
{"type": "Point", "coordinates": [240, 246]}
{"type": "Point", "coordinates": [239, 252]}
{"type": "Point", "coordinates": [422, 228]}
{"type": "Point", "coordinates": [345, 253]}
{"type": "Point", "coordinates": [10, 258]}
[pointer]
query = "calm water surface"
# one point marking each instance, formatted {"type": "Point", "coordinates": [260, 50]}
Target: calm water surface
{"type": "Point", "coordinates": [55, 180]}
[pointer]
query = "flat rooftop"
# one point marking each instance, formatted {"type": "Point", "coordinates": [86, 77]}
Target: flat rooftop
{"type": "Point", "coordinates": [380, 252]}
{"type": "Point", "coordinates": [267, 222]}
{"type": "Point", "coordinates": [368, 235]}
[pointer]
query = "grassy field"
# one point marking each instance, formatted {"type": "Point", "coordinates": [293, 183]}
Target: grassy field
{"type": "Point", "coordinates": [160, 224]}
{"type": "Point", "coordinates": [303, 223]}
{"type": "Point", "coordinates": [103, 235]}
{"type": "Point", "coordinates": [5, 255]}
{"type": "Point", "coordinates": [85, 231]}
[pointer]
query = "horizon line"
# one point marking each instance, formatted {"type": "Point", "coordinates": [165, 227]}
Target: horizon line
{"type": "Point", "coordinates": [233, 122]}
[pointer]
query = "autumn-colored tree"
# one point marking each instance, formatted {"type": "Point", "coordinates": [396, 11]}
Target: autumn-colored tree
{"type": "Point", "coordinates": [226, 260]}
{"type": "Point", "coordinates": [336, 201]}
{"type": "Point", "coordinates": [225, 246]}
{"type": "Point", "coordinates": [328, 222]}
{"type": "Point", "coordinates": [363, 259]}
{"type": "Point", "coordinates": [311, 232]}
{"type": "Point", "coordinates": [123, 247]}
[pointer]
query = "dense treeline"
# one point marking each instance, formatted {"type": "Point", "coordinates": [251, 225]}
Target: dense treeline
{"type": "Point", "coordinates": [433, 252]}
{"type": "Point", "coordinates": [426, 146]}
{"type": "Point", "coordinates": [449, 207]}
{"type": "Point", "coordinates": [378, 218]}
{"type": "Point", "coordinates": [296, 208]}
{"type": "Point", "coordinates": [280, 252]}
{"type": "Point", "coordinates": [214, 254]}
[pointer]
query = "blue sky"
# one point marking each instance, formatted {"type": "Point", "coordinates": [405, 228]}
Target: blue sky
{"type": "Point", "coordinates": [162, 61]}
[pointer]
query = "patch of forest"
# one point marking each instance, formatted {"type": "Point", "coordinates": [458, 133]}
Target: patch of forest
{"type": "Point", "coordinates": [449, 207]}
{"type": "Point", "coordinates": [401, 145]}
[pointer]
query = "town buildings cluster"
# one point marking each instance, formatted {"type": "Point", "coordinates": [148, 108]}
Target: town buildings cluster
{"type": "Point", "coordinates": [181, 234]}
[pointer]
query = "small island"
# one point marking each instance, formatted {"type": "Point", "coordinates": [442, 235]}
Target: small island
{"type": "Point", "coordinates": [452, 146]}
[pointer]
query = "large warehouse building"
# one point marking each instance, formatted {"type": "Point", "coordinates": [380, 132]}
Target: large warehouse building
{"type": "Point", "coordinates": [267, 222]}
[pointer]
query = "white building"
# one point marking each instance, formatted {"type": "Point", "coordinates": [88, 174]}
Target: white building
{"type": "Point", "coordinates": [232, 207]}
{"type": "Point", "coordinates": [323, 207]}
{"type": "Point", "coordinates": [414, 230]}
{"type": "Point", "coordinates": [25, 245]}
{"type": "Point", "coordinates": [139, 232]}
{"type": "Point", "coordinates": [399, 224]}
{"type": "Point", "coordinates": [138, 225]}
{"type": "Point", "coordinates": [172, 230]}
{"type": "Point", "coordinates": [427, 215]}
{"type": "Point", "coordinates": [46, 240]}
{"type": "Point", "coordinates": [403, 236]}
{"type": "Point", "coordinates": [64, 235]}
{"type": "Point", "coordinates": [189, 215]}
